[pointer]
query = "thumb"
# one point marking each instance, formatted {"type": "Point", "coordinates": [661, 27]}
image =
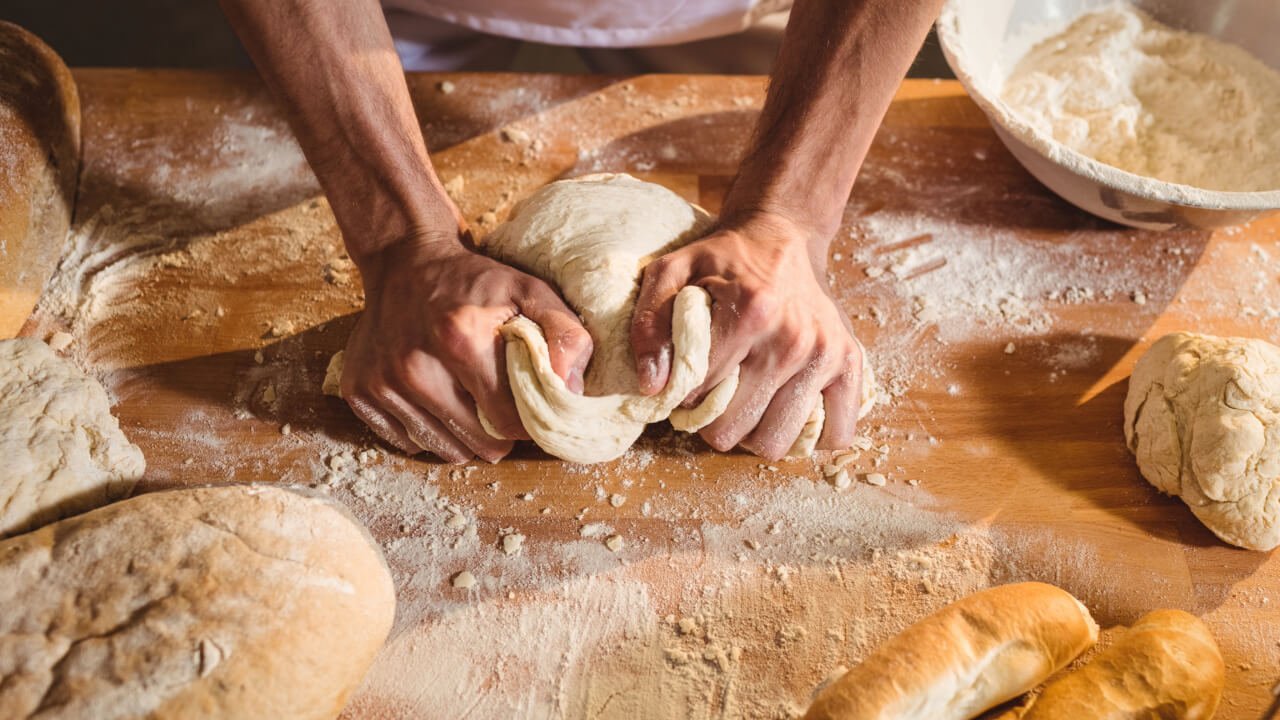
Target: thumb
{"type": "Point", "coordinates": [651, 324]}
{"type": "Point", "coordinates": [568, 342]}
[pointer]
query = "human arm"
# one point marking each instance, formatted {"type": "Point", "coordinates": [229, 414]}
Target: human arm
{"type": "Point", "coordinates": [426, 350]}
{"type": "Point", "coordinates": [765, 263]}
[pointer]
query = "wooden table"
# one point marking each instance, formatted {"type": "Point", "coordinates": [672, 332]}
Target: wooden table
{"type": "Point", "coordinates": [201, 239]}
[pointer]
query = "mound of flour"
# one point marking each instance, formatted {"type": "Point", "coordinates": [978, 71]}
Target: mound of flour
{"type": "Point", "coordinates": [1131, 92]}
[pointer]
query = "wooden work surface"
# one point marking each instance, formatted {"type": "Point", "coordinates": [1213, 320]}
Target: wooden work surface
{"type": "Point", "coordinates": [201, 238]}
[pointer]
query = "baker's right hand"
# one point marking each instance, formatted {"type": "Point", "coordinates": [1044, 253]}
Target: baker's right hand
{"type": "Point", "coordinates": [427, 349]}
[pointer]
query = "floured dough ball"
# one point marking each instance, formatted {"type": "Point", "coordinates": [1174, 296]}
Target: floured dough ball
{"type": "Point", "coordinates": [229, 602]}
{"type": "Point", "coordinates": [1203, 419]}
{"type": "Point", "coordinates": [62, 450]}
{"type": "Point", "coordinates": [591, 237]}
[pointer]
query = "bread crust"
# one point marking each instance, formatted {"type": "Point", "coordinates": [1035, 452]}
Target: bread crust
{"type": "Point", "coordinates": [965, 658]}
{"type": "Point", "coordinates": [1166, 667]}
{"type": "Point", "coordinates": [247, 601]}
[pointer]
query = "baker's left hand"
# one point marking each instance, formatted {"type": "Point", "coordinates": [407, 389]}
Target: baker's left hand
{"type": "Point", "coordinates": [772, 314]}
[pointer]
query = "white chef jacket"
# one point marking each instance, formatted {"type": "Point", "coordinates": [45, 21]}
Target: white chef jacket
{"type": "Point", "coordinates": [597, 23]}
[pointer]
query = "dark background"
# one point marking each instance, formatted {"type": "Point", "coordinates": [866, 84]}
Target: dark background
{"type": "Point", "coordinates": [193, 34]}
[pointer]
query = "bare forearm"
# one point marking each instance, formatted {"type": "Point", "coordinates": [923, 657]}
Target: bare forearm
{"type": "Point", "coordinates": [840, 64]}
{"type": "Point", "coordinates": [332, 65]}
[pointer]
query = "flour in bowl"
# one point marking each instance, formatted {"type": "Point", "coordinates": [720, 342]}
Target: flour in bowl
{"type": "Point", "coordinates": [1181, 107]}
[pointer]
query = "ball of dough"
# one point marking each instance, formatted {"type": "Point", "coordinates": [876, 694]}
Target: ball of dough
{"type": "Point", "coordinates": [1202, 417]}
{"type": "Point", "coordinates": [63, 451]}
{"type": "Point", "coordinates": [591, 237]}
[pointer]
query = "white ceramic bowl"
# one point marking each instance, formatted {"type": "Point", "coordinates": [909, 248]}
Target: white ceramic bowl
{"type": "Point", "coordinates": [984, 39]}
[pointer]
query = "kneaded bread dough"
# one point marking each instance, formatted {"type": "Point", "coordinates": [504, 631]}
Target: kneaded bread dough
{"type": "Point", "coordinates": [62, 450]}
{"type": "Point", "coordinates": [591, 237]}
{"type": "Point", "coordinates": [1202, 418]}
{"type": "Point", "coordinates": [229, 602]}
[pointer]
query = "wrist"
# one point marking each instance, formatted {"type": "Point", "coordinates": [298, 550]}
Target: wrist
{"type": "Point", "coordinates": [422, 244]}
{"type": "Point", "coordinates": [784, 227]}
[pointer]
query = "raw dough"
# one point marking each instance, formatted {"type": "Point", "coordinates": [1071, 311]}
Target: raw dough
{"type": "Point", "coordinates": [63, 451]}
{"type": "Point", "coordinates": [1134, 93]}
{"type": "Point", "coordinates": [591, 237]}
{"type": "Point", "coordinates": [229, 602]}
{"type": "Point", "coordinates": [1203, 419]}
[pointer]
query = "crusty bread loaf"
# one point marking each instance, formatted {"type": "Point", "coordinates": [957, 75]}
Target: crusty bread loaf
{"type": "Point", "coordinates": [1165, 667]}
{"type": "Point", "coordinates": [40, 142]}
{"type": "Point", "coordinates": [965, 658]}
{"type": "Point", "coordinates": [229, 602]}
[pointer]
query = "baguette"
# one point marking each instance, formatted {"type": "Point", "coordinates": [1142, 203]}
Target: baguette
{"type": "Point", "coordinates": [1166, 666]}
{"type": "Point", "coordinates": [230, 602]}
{"type": "Point", "coordinates": [965, 658]}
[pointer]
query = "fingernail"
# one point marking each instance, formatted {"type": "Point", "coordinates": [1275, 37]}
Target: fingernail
{"type": "Point", "coordinates": [650, 369]}
{"type": "Point", "coordinates": [575, 381]}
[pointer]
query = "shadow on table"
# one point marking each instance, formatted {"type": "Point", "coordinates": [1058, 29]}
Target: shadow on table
{"type": "Point", "coordinates": [1077, 442]}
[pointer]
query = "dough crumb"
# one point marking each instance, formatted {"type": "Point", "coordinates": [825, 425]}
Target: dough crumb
{"type": "Point", "coordinates": [1010, 349]}
{"type": "Point", "coordinates": [1139, 297]}
{"type": "Point", "coordinates": [332, 384]}
{"type": "Point", "coordinates": [614, 543]}
{"type": "Point", "coordinates": [464, 580]}
{"type": "Point", "coordinates": [257, 357]}
{"type": "Point", "coordinates": [877, 479]}
{"type": "Point", "coordinates": [515, 136]}
{"type": "Point", "coordinates": [445, 87]}
{"type": "Point", "coordinates": [286, 429]}
{"type": "Point", "coordinates": [513, 543]}
{"type": "Point", "coordinates": [873, 271]}
{"type": "Point", "coordinates": [841, 479]}
{"type": "Point", "coordinates": [617, 500]}
{"type": "Point", "coordinates": [60, 341]}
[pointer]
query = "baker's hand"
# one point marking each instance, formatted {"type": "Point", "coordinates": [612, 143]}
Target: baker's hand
{"type": "Point", "coordinates": [427, 349]}
{"type": "Point", "coordinates": [773, 315]}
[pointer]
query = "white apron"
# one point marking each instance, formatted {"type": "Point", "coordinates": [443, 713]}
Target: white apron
{"type": "Point", "coordinates": [597, 23]}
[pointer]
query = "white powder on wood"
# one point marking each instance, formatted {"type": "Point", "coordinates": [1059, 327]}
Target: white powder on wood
{"type": "Point", "coordinates": [1128, 91]}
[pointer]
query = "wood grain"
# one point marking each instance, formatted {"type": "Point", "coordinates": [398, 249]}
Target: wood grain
{"type": "Point", "coordinates": [1027, 442]}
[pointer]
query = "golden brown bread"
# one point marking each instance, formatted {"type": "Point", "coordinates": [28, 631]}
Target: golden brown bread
{"type": "Point", "coordinates": [965, 658]}
{"type": "Point", "coordinates": [230, 602]}
{"type": "Point", "coordinates": [40, 149]}
{"type": "Point", "coordinates": [1165, 667]}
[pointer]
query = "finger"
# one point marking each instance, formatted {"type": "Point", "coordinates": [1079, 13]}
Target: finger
{"type": "Point", "coordinates": [486, 381]}
{"type": "Point", "coordinates": [430, 387]}
{"type": "Point", "coordinates": [843, 398]}
{"type": "Point", "coordinates": [423, 429]}
{"type": "Point", "coordinates": [651, 322]}
{"type": "Point", "coordinates": [787, 414]}
{"type": "Point", "coordinates": [568, 343]}
{"type": "Point", "coordinates": [389, 429]}
{"type": "Point", "coordinates": [760, 379]}
{"type": "Point", "coordinates": [736, 327]}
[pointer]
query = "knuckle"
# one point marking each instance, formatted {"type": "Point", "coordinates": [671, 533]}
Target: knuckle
{"type": "Point", "coordinates": [757, 307]}
{"type": "Point", "coordinates": [718, 439]}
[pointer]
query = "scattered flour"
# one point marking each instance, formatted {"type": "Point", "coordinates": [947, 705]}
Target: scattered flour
{"type": "Point", "coordinates": [1129, 91]}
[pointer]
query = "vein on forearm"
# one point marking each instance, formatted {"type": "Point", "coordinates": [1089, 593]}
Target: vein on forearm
{"type": "Point", "coordinates": [333, 67]}
{"type": "Point", "coordinates": [841, 62]}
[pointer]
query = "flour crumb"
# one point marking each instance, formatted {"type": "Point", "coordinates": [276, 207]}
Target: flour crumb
{"type": "Point", "coordinates": [464, 580]}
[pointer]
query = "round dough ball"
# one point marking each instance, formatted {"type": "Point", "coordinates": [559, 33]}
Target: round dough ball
{"type": "Point", "coordinates": [1202, 417]}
